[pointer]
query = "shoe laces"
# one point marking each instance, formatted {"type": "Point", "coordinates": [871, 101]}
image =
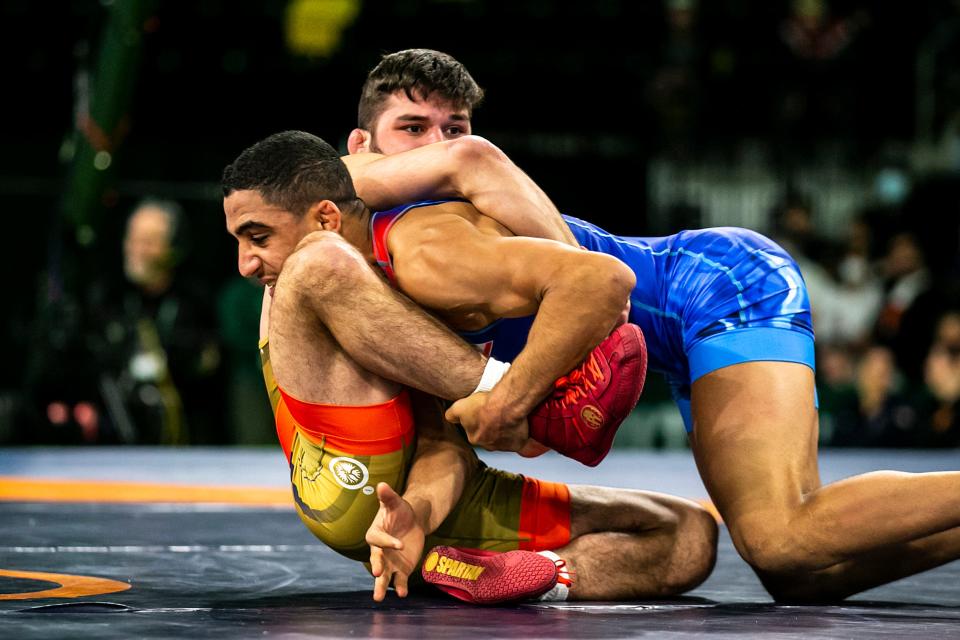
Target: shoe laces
{"type": "Point", "coordinates": [571, 388]}
{"type": "Point", "coordinates": [564, 576]}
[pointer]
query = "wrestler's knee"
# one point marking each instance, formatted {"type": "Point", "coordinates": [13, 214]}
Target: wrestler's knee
{"type": "Point", "coordinates": [773, 545]}
{"type": "Point", "coordinates": [324, 262]}
{"type": "Point", "coordinates": [696, 550]}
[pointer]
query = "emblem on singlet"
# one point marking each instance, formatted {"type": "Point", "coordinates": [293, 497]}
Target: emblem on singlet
{"type": "Point", "coordinates": [349, 473]}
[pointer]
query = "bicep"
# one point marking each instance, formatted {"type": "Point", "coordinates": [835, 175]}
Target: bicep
{"type": "Point", "coordinates": [468, 270]}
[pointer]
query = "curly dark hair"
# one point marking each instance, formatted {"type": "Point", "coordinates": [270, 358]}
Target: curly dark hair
{"type": "Point", "coordinates": [419, 73]}
{"type": "Point", "coordinates": [292, 170]}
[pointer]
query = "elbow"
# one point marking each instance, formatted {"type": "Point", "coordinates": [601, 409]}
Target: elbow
{"type": "Point", "coordinates": [323, 261]}
{"type": "Point", "coordinates": [472, 152]}
{"type": "Point", "coordinates": [625, 280]}
{"type": "Point", "coordinates": [613, 279]}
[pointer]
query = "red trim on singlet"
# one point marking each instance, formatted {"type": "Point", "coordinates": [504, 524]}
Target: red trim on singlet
{"type": "Point", "coordinates": [380, 225]}
{"type": "Point", "coordinates": [544, 515]}
{"type": "Point", "coordinates": [373, 429]}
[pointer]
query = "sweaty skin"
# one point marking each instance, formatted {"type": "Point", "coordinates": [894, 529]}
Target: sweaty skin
{"type": "Point", "coordinates": [468, 167]}
{"type": "Point", "coordinates": [470, 271]}
{"type": "Point", "coordinates": [805, 540]}
{"type": "Point", "coordinates": [324, 301]}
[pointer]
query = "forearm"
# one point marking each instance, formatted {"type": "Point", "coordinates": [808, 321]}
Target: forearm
{"type": "Point", "coordinates": [403, 343]}
{"type": "Point", "coordinates": [500, 190]}
{"type": "Point", "coordinates": [379, 328]}
{"type": "Point", "coordinates": [576, 313]}
{"type": "Point", "coordinates": [470, 168]}
{"type": "Point", "coordinates": [442, 465]}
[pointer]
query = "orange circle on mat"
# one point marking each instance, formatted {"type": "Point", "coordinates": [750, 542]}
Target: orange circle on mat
{"type": "Point", "coordinates": [68, 586]}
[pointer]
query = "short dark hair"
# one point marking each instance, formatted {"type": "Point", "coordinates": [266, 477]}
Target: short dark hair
{"type": "Point", "coordinates": [293, 170]}
{"type": "Point", "coordinates": [419, 73]}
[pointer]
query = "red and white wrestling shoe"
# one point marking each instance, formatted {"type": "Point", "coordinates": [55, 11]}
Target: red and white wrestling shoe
{"type": "Point", "coordinates": [588, 405]}
{"type": "Point", "coordinates": [489, 577]}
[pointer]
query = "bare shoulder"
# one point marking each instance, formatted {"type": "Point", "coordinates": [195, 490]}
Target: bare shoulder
{"type": "Point", "coordinates": [318, 257]}
{"type": "Point", "coordinates": [442, 224]}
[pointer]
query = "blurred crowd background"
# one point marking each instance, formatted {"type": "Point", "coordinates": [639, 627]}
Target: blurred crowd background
{"type": "Point", "coordinates": [832, 126]}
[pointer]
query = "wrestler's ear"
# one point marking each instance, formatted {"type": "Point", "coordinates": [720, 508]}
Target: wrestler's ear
{"type": "Point", "coordinates": [327, 215]}
{"type": "Point", "coordinates": [359, 141]}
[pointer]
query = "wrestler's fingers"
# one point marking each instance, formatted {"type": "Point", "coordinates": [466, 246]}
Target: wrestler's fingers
{"type": "Point", "coordinates": [400, 584]}
{"type": "Point", "coordinates": [377, 537]}
{"type": "Point", "coordinates": [389, 498]}
{"type": "Point", "coordinates": [452, 414]}
{"type": "Point", "coordinates": [376, 561]}
{"type": "Point", "coordinates": [532, 449]}
{"type": "Point", "coordinates": [380, 585]}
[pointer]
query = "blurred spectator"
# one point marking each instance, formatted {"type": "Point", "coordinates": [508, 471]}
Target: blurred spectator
{"type": "Point", "coordinates": [836, 391]}
{"type": "Point", "coordinates": [675, 88]}
{"type": "Point", "coordinates": [820, 97]}
{"type": "Point", "coordinates": [155, 338]}
{"type": "Point", "coordinates": [884, 415]}
{"type": "Point", "coordinates": [62, 399]}
{"type": "Point", "coordinates": [795, 231]}
{"type": "Point", "coordinates": [249, 417]}
{"type": "Point", "coordinates": [942, 377]}
{"type": "Point", "coordinates": [859, 294]}
{"type": "Point", "coordinates": [908, 310]}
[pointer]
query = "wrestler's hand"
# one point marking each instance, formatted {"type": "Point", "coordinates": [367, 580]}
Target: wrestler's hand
{"type": "Point", "coordinates": [396, 541]}
{"type": "Point", "coordinates": [488, 428]}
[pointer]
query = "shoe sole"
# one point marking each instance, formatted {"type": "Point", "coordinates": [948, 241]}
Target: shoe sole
{"type": "Point", "coordinates": [484, 577]}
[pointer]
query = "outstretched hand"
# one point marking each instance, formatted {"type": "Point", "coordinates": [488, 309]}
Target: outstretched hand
{"type": "Point", "coordinates": [396, 543]}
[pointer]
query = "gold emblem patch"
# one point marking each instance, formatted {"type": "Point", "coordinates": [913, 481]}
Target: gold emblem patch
{"type": "Point", "coordinates": [431, 561]}
{"type": "Point", "coordinates": [592, 416]}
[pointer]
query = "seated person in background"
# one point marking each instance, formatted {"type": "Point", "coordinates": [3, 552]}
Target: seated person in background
{"type": "Point", "coordinates": [941, 427]}
{"type": "Point", "coordinates": [159, 335]}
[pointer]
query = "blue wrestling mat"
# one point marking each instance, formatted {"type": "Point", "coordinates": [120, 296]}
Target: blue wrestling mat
{"type": "Point", "coordinates": [160, 543]}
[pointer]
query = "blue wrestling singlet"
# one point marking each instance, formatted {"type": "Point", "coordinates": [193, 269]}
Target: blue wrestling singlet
{"type": "Point", "coordinates": [704, 299]}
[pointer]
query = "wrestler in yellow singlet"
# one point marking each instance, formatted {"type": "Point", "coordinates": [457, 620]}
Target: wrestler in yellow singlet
{"type": "Point", "coordinates": [338, 454]}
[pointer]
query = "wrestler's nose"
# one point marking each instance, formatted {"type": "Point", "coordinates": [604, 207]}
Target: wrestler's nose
{"type": "Point", "coordinates": [247, 263]}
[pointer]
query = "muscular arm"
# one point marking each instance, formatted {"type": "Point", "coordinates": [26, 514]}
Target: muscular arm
{"type": "Point", "coordinates": [442, 465]}
{"type": "Point", "coordinates": [445, 263]}
{"type": "Point", "coordinates": [379, 329]}
{"type": "Point", "coordinates": [468, 167]}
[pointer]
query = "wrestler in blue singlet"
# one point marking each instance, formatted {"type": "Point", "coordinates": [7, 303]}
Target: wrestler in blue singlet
{"type": "Point", "coordinates": [704, 299]}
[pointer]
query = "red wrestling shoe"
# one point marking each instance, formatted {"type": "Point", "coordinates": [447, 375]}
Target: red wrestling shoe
{"type": "Point", "coordinates": [588, 405]}
{"type": "Point", "coordinates": [489, 577]}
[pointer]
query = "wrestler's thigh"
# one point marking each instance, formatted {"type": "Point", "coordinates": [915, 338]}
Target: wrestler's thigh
{"type": "Point", "coordinates": [594, 509]}
{"type": "Point", "coordinates": [755, 438]}
{"type": "Point", "coordinates": [333, 491]}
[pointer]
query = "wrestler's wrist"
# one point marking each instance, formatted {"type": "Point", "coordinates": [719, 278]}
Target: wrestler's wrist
{"type": "Point", "coordinates": [501, 413]}
{"type": "Point", "coordinates": [422, 511]}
